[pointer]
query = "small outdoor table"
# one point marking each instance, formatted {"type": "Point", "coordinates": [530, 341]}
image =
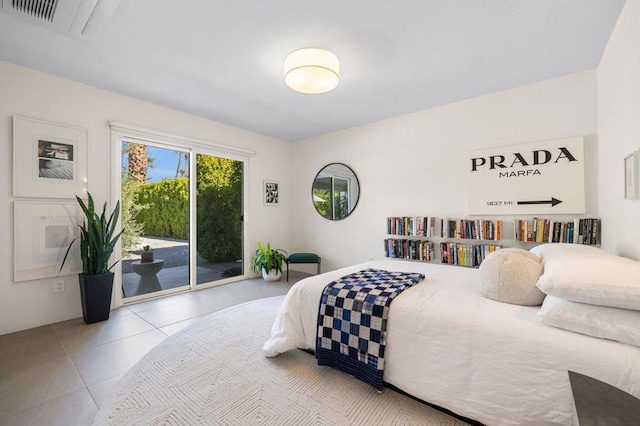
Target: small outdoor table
{"type": "Point", "coordinates": [148, 279]}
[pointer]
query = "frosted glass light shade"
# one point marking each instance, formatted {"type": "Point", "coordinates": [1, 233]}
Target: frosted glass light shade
{"type": "Point", "coordinates": [312, 70]}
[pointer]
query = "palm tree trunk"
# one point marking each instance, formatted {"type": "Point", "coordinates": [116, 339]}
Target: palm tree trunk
{"type": "Point", "coordinates": [138, 163]}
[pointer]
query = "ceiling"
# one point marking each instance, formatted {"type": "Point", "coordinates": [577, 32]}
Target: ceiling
{"type": "Point", "coordinates": [223, 59]}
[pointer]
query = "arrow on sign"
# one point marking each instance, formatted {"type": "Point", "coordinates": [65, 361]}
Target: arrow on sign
{"type": "Point", "coordinates": [552, 201]}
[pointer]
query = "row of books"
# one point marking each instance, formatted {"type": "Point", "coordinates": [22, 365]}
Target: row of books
{"type": "Point", "coordinates": [578, 231]}
{"type": "Point", "coordinates": [416, 226]}
{"type": "Point", "coordinates": [478, 229]}
{"type": "Point", "coordinates": [409, 249]}
{"type": "Point", "coordinates": [465, 254]}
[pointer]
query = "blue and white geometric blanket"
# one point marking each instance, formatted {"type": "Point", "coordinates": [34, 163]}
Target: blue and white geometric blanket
{"type": "Point", "coordinates": [352, 321]}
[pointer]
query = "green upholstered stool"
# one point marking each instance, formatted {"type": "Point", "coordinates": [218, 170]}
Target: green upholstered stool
{"type": "Point", "coordinates": [302, 258]}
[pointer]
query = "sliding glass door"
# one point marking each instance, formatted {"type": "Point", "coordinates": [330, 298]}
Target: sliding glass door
{"type": "Point", "coordinates": [155, 218]}
{"type": "Point", "coordinates": [219, 218]}
{"type": "Point", "coordinates": [331, 197]}
{"type": "Point", "coordinates": [182, 215]}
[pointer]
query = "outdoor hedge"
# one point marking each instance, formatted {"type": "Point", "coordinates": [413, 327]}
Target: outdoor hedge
{"type": "Point", "coordinates": [219, 209]}
{"type": "Point", "coordinates": [168, 212]}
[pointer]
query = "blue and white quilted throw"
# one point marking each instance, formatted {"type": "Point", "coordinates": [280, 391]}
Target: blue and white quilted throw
{"type": "Point", "coordinates": [352, 321]}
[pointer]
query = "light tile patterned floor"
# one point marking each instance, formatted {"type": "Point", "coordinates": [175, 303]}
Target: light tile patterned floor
{"type": "Point", "coordinates": [59, 374]}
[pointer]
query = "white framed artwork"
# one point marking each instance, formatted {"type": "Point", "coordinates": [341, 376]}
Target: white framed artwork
{"type": "Point", "coordinates": [42, 234]}
{"type": "Point", "coordinates": [271, 193]}
{"type": "Point", "coordinates": [631, 176]}
{"type": "Point", "coordinates": [544, 177]}
{"type": "Point", "coordinates": [49, 159]}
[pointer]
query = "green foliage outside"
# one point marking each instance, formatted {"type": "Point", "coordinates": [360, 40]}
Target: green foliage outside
{"type": "Point", "coordinates": [342, 205]}
{"type": "Point", "coordinates": [132, 229]}
{"type": "Point", "coordinates": [214, 171]}
{"type": "Point", "coordinates": [219, 211]}
{"type": "Point", "coordinates": [322, 202]}
{"type": "Point", "coordinates": [219, 201]}
{"type": "Point", "coordinates": [168, 212]}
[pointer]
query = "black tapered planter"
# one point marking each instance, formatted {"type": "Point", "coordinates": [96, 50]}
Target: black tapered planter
{"type": "Point", "coordinates": [95, 292]}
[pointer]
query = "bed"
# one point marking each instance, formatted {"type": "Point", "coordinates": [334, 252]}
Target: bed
{"type": "Point", "coordinates": [447, 344]}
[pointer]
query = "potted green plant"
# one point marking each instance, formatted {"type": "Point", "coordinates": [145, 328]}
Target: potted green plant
{"type": "Point", "coordinates": [147, 254]}
{"type": "Point", "coordinates": [268, 261]}
{"type": "Point", "coordinates": [97, 241]}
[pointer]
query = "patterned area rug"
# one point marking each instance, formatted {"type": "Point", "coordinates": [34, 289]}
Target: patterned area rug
{"type": "Point", "coordinates": [214, 372]}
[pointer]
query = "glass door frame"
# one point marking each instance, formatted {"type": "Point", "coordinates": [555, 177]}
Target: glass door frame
{"type": "Point", "coordinates": [335, 198]}
{"type": "Point", "coordinates": [128, 133]}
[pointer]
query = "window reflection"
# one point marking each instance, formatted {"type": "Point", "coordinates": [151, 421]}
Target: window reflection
{"type": "Point", "coordinates": [335, 191]}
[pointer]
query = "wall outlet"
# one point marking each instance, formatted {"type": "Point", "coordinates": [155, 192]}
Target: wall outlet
{"type": "Point", "coordinates": [58, 286]}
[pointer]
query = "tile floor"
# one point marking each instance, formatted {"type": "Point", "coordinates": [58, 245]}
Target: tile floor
{"type": "Point", "coordinates": [59, 374]}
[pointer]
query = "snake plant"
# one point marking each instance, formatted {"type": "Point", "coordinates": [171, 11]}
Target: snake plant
{"type": "Point", "coordinates": [97, 239]}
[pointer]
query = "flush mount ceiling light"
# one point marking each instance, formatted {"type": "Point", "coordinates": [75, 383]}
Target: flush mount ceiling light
{"type": "Point", "coordinates": [312, 70]}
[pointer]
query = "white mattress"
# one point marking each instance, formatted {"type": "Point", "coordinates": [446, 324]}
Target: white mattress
{"type": "Point", "coordinates": [450, 346]}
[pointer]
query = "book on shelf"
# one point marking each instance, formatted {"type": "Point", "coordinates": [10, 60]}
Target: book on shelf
{"type": "Point", "coordinates": [414, 226]}
{"type": "Point", "coordinates": [409, 249]}
{"type": "Point", "coordinates": [465, 254]}
{"type": "Point", "coordinates": [577, 231]}
{"type": "Point", "coordinates": [472, 229]}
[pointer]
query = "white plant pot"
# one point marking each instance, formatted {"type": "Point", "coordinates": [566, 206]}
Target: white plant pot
{"type": "Point", "coordinates": [273, 275]}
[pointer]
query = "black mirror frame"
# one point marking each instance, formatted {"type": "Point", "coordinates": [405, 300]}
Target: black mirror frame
{"type": "Point", "coordinates": [357, 181]}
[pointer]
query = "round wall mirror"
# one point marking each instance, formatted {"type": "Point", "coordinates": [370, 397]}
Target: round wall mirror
{"type": "Point", "coordinates": [335, 191]}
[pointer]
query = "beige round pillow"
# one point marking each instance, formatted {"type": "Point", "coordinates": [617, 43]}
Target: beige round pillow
{"type": "Point", "coordinates": [509, 275]}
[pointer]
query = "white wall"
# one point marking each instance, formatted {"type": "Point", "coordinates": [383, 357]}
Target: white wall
{"type": "Point", "coordinates": [37, 95]}
{"type": "Point", "coordinates": [415, 164]}
{"type": "Point", "coordinates": [619, 131]}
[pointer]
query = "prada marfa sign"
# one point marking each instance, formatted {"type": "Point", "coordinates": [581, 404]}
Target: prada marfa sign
{"type": "Point", "coordinates": [536, 178]}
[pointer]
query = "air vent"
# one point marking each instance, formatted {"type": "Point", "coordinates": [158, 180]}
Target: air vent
{"type": "Point", "coordinates": [79, 18]}
{"type": "Point", "coordinates": [39, 9]}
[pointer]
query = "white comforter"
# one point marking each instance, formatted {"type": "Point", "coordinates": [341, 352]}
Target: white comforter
{"type": "Point", "coordinates": [450, 346]}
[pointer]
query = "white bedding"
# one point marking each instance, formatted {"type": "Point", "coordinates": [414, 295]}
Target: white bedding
{"type": "Point", "coordinates": [482, 359]}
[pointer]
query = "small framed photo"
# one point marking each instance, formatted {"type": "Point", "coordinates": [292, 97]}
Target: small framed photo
{"type": "Point", "coordinates": [49, 159]}
{"type": "Point", "coordinates": [631, 176]}
{"type": "Point", "coordinates": [271, 193]}
{"type": "Point", "coordinates": [42, 234]}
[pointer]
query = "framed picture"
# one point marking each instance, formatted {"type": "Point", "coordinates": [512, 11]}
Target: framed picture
{"type": "Point", "coordinates": [42, 233]}
{"type": "Point", "coordinates": [631, 176]}
{"type": "Point", "coordinates": [49, 159]}
{"type": "Point", "coordinates": [271, 193]}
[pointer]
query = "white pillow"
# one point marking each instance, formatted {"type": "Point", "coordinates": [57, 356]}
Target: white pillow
{"type": "Point", "coordinates": [595, 279]}
{"type": "Point", "coordinates": [509, 275]}
{"type": "Point", "coordinates": [622, 325]}
{"type": "Point", "coordinates": [553, 250]}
